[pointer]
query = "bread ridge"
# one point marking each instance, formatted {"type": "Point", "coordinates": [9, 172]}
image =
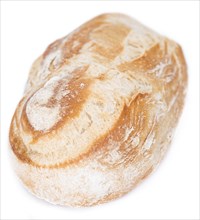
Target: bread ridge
{"type": "Point", "coordinates": [99, 109]}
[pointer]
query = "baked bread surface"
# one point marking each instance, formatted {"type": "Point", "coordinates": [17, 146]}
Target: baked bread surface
{"type": "Point", "coordinates": [98, 112]}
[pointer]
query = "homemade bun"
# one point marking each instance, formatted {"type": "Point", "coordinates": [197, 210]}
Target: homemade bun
{"type": "Point", "coordinates": [98, 112]}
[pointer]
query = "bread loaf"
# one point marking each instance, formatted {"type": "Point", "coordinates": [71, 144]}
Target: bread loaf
{"type": "Point", "coordinates": [98, 112]}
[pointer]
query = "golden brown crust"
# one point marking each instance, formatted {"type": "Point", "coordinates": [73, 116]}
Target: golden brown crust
{"type": "Point", "coordinates": [67, 103]}
{"type": "Point", "coordinates": [103, 102]}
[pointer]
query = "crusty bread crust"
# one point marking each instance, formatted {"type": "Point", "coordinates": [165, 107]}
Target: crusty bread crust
{"type": "Point", "coordinates": [98, 112]}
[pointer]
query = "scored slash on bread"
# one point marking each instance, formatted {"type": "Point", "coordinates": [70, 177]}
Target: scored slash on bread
{"type": "Point", "coordinates": [98, 112]}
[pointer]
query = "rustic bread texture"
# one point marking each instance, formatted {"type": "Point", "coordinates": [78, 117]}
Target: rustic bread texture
{"type": "Point", "coordinates": [98, 112]}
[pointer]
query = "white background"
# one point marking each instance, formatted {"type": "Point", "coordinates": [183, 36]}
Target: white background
{"type": "Point", "coordinates": [172, 192]}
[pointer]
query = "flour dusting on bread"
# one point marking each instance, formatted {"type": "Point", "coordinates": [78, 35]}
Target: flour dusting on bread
{"type": "Point", "coordinates": [99, 111]}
